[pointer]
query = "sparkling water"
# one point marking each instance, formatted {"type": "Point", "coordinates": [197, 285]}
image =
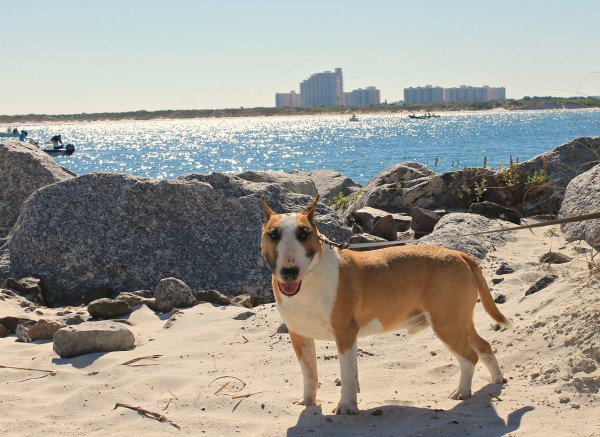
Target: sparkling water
{"type": "Point", "coordinates": [165, 149]}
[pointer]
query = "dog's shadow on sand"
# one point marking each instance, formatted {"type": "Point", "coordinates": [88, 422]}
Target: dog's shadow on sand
{"type": "Point", "coordinates": [475, 416]}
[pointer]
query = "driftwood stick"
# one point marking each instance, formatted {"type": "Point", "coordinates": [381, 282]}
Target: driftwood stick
{"type": "Point", "coordinates": [233, 377]}
{"type": "Point", "coordinates": [50, 372]}
{"type": "Point", "coordinates": [148, 413]}
{"type": "Point", "coordinates": [135, 360]}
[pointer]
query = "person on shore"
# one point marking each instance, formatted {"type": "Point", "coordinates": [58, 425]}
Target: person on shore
{"type": "Point", "coordinates": [23, 135]}
{"type": "Point", "coordinates": [55, 140]}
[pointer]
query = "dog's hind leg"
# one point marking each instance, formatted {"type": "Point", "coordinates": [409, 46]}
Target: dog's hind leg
{"type": "Point", "coordinates": [304, 348]}
{"type": "Point", "coordinates": [455, 338]}
{"type": "Point", "coordinates": [487, 357]}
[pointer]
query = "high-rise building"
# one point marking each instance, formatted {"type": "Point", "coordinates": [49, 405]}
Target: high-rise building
{"type": "Point", "coordinates": [423, 95]}
{"type": "Point", "coordinates": [363, 97]}
{"type": "Point", "coordinates": [323, 89]}
{"type": "Point", "coordinates": [466, 93]}
{"type": "Point", "coordinates": [287, 100]}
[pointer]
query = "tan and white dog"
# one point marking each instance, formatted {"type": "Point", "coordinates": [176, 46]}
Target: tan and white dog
{"type": "Point", "coordinates": [329, 294]}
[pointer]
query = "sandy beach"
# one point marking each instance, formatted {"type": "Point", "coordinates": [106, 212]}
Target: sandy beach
{"type": "Point", "coordinates": [210, 374]}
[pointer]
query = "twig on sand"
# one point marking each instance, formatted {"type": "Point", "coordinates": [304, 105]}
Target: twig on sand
{"type": "Point", "coordinates": [148, 413]}
{"type": "Point", "coordinates": [242, 397]}
{"type": "Point", "coordinates": [135, 360]}
{"type": "Point", "coordinates": [49, 372]}
{"type": "Point", "coordinates": [224, 385]}
{"type": "Point", "coordinates": [494, 396]}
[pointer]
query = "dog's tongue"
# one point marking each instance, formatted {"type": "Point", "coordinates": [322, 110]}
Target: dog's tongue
{"type": "Point", "coordinates": [289, 289]}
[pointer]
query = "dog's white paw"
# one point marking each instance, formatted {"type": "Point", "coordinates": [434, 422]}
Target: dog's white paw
{"type": "Point", "coordinates": [460, 395]}
{"type": "Point", "coordinates": [347, 408]}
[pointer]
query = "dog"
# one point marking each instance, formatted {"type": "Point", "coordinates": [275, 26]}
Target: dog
{"type": "Point", "coordinates": [325, 293]}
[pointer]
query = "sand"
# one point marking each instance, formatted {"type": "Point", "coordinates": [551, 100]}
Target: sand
{"type": "Point", "coordinates": [217, 376]}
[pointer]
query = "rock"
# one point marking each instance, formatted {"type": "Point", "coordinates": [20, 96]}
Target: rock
{"type": "Point", "coordinates": [423, 221]}
{"type": "Point", "coordinates": [294, 182]}
{"type": "Point", "coordinates": [365, 238]}
{"type": "Point", "coordinates": [173, 293]}
{"type": "Point", "coordinates": [558, 166]}
{"type": "Point", "coordinates": [22, 330]}
{"type": "Point", "coordinates": [505, 269]}
{"type": "Point", "coordinates": [108, 308]}
{"type": "Point", "coordinates": [212, 296]}
{"type": "Point", "coordinates": [27, 286]}
{"type": "Point", "coordinates": [540, 284]}
{"type": "Point", "coordinates": [242, 300]}
{"type": "Point", "coordinates": [115, 232]}
{"type": "Point", "coordinates": [500, 299]}
{"type": "Point", "coordinates": [75, 319]}
{"type": "Point", "coordinates": [92, 337]}
{"type": "Point", "coordinates": [44, 329]}
{"type": "Point", "coordinates": [555, 258]}
{"type": "Point", "coordinates": [4, 331]}
{"type": "Point", "coordinates": [282, 328]}
{"type": "Point", "coordinates": [331, 184]}
{"type": "Point", "coordinates": [23, 170]}
{"type": "Point", "coordinates": [452, 229]}
{"type": "Point", "coordinates": [492, 210]}
{"type": "Point", "coordinates": [131, 299]}
{"type": "Point", "coordinates": [583, 197]}
{"type": "Point", "coordinates": [385, 228]}
{"type": "Point", "coordinates": [244, 316]}
{"type": "Point", "coordinates": [496, 281]}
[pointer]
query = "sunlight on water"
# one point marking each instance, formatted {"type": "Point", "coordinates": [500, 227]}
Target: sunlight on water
{"type": "Point", "coordinates": [166, 149]}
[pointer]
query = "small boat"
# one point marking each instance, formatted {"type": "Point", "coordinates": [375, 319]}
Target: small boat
{"type": "Point", "coordinates": [423, 117]}
{"type": "Point", "coordinates": [69, 149]}
{"type": "Point", "coordinates": [354, 118]}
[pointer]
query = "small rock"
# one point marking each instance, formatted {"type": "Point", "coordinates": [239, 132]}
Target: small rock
{"type": "Point", "coordinates": [496, 281]}
{"type": "Point", "coordinates": [423, 221]}
{"type": "Point", "coordinates": [22, 330]}
{"type": "Point", "coordinates": [108, 308]}
{"type": "Point", "coordinates": [564, 400]}
{"type": "Point", "coordinates": [385, 228]}
{"type": "Point", "coordinates": [44, 330]}
{"type": "Point", "coordinates": [243, 300]}
{"type": "Point", "coordinates": [505, 269]}
{"type": "Point", "coordinates": [555, 258]}
{"type": "Point", "coordinates": [282, 329]}
{"type": "Point", "coordinates": [540, 284]}
{"type": "Point", "coordinates": [338, 382]}
{"type": "Point", "coordinates": [173, 293]}
{"type": "Point", "coordinates": [500, 299]}
{"type": "Point", "coordinates": [213, 296]}
{"type": "Point", "coordinates": [244, 316]}
{"type": "Point", "coordinates": [3, 331]}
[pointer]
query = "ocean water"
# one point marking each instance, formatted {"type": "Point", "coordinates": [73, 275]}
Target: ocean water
{"type": "Point", "coordinates": [165, 149]}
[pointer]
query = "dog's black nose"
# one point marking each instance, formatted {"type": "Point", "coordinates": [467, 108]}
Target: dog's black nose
{"type": "Point", "coordinates": [289, 273]}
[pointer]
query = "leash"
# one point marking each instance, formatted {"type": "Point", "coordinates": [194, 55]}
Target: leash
{"type": "Point", "coordinates": [381, 244]}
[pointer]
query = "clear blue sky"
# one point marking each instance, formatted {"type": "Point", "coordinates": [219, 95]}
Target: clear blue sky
{"type": "Point", "coordinates": [72, 56]}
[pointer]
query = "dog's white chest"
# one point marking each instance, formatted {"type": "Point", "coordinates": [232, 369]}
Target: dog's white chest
{"type": "Point", "coordinates": [308, 313]}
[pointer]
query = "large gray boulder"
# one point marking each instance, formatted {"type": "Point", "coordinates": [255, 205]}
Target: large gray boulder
{"type": "Point", "coordinates": [23, 169]}
{"type": "Point", "coordinates": [294, 182]}
{"type": "Point", "coordinates": [115, 233]}
{"type": "Point", "coordinates": [331, 183]}
{"type": "Point", "coordinates": [583, 197]}
{"type": "Point", "coordinates": [454, 232]}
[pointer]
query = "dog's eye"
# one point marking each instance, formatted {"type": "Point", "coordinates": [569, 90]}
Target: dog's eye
{"type": "Point", "coordinates": [303, 234]}
{"type": "Point", "coordinates": [274, 235]}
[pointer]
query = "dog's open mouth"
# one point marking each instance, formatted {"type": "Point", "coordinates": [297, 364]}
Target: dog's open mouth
{"type": "Point", "coordinates": [289, 289]}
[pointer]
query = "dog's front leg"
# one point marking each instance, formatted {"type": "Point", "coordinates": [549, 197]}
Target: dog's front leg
{"type": "Point", "coordinates": [349, 373]}
{"type": "Point", "coordinates": [307, 355]}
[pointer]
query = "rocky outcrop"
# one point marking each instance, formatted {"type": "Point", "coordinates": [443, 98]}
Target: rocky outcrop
{"type": "Point", "coordinates": [583, 197]}
{"type": "Point", "coordinates": [104, 233]}
{"type": "Point", "coordinates": [23, 170]}
{"type": "Point", "coordinates": [533, 187]}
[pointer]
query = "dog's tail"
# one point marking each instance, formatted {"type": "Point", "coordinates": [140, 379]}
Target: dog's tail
{"type": "Point", "coordinates": [484, 293]}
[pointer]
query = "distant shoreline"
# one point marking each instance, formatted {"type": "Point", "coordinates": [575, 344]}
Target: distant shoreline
{"type": "Point", "coordinates": [506, 106]}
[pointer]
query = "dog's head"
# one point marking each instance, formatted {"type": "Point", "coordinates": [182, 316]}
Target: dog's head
{"type": "Point", "coordinates": [289, 244]}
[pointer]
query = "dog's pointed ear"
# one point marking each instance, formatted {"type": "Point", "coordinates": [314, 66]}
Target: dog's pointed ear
{"type": "Point", "coordinates": [268, 212]}
{"type": "Point", "coordinates": [309, 211]}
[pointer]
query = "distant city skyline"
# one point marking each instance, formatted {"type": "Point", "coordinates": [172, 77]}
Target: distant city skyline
{"type": "Point", "coordinates": [69, 56]}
